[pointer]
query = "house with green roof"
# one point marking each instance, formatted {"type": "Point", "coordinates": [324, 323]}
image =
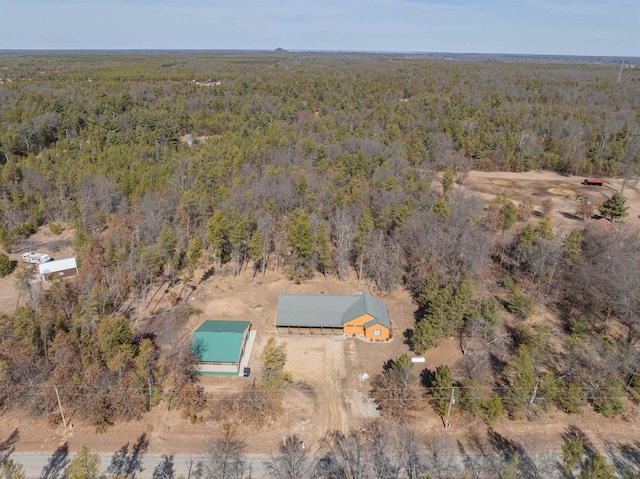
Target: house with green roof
{"type": "Point", "coordinates": [220, 346]}
{"type": "Point", "coordinates": [358, 315]}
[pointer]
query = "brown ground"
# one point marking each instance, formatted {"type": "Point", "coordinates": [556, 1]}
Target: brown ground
{"type": "Point", "coordinates": [562, 190]}
{"type": "Point", "coordinates": [57, 246]}
{"type": "Point", "coordinates": [328, 394]}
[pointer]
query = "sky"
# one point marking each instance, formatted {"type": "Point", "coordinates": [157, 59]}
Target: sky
{"type": "Point", "coordinates": [548, 27]}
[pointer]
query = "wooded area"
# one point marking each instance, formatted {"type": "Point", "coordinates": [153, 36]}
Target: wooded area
{"type": "Point", "coordinates": [317, 164]}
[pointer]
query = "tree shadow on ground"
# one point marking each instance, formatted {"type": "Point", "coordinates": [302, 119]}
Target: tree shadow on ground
{"type": "Point", "coordinates": [427, 377]}
{"type": "Point", "coordinates": [496, 364]}
{"type": "Point", "coordinates": [570, 216]}
{"type": "Point", "coordinates": [206, 275]}
{"type": "Point", "coordinates": [625, 457]}
{"type": "Point", "coordinates": [407, 336]}
{"type": "Point", "coordinates": [494, 454]}
{"type": "Point", "coordinates": [508, 447]}
{"type": "Point", "coordinates": [8, 445]}
{"type": "Point", "coordinates": [164, 470]}
{"type": "Point", "coordinates": [58, 461]}
{"type": "Point", "coordinates": [467, 459]}
{"type": "Point", "coordinates": [196, 470]}
{"type": "Point", "coordinates": [125, 463]}
{"type": "Point", "coordinates": [439, 461]}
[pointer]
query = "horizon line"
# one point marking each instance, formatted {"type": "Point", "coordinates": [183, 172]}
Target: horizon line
{"type": "Point", "coordinates": [286, 50]}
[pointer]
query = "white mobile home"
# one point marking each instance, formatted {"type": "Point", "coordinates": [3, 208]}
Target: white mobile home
{"type": "Point", "coordinates": [61, 268]}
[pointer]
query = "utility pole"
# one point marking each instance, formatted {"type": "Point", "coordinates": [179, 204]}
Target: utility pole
{"type": "Point", "coordinates": [452, 401]}
{"type": "Point", "coordinates": [64, 421]}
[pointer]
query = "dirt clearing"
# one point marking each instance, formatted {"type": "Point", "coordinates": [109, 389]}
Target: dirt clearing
{"type": "Point", "coordinates": [563, 191]}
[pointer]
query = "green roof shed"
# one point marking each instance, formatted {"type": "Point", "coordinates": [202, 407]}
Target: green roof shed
{"type": "Point", "coordinates": [220, 346]}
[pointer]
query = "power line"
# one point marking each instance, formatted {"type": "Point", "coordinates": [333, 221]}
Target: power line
{"type": "Point", "coordinates": [236, 395]}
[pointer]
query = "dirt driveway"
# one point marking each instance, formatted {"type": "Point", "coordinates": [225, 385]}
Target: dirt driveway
{"type": "Point", "coordinates": [318, 363]}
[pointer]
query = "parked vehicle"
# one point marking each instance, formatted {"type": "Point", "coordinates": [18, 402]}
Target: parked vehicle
{"type": "Point", "coordinates": [35, 258]}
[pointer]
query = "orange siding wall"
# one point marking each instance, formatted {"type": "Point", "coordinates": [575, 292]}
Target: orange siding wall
{"type": "Point", "coordinates": [384, 332]}
{"type": "Point", "coordinates": [356, 325]}
{"type": "Point", "coordinates": [353, 329]}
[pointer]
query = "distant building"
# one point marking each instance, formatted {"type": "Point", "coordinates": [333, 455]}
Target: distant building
{"type": "Point", "coordinates": [62, 268]}
{"type": "Point", "coordinates": [209, 82]}
{"type": "Point", "coordinates": [221, 346]}
{"type": "Point", "coordinates": [359, 315]}
{"type": "Point", "coordinates": [593, 182]}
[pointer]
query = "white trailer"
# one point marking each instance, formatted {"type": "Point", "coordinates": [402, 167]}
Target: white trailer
{"type": "Point", "coordinates": [35, 258]}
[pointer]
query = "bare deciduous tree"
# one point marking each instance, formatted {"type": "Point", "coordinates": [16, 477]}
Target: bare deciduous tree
{"type": "Point", "coordinates": [343, 235]}
{"type": "Point", "coordinates": [224, 457]}
{"type": "Point", "coordinates": [292, 462]}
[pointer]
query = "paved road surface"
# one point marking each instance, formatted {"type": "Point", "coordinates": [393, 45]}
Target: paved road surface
{"type": "Point", "coordinates": [51, 466]}
{"type": "Point", "coordinates": [156, 466]}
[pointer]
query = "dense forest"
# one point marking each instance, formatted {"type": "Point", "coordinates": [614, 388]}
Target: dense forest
{"type": "Point", "coordinates": [309, 164]}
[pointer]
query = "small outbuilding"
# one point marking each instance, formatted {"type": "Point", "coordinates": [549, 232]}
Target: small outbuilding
{"type": "Point", "coordinates": [359, 315]}
{"type": "Point", "coordinates": [593, 182]}
{"type": "Point", "coordinates": [221, 347]}
{"type": "Point", "coordinates": [62, 268]}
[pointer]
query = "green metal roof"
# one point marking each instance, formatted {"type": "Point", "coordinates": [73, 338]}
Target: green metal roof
{"type": "Point", "coordinates": [378, 310]}
{"type": "Point", "coordinates": [219, 341]}
{"type": "Point", "coordinates": [373, 322]}
{"type": "Point", "coordinates": [328, 311]}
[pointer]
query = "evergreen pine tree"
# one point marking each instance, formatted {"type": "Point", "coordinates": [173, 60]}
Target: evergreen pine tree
{"type": "Point", "coordinates": [509, 215]}
{"type": "Point", "coordinates": [194, 251]}
{"type": "Point", "coordinates": [322, 249]}
{"type": "Point", "coordinates": [9, 469]}
{"type": "Point", "coordinates": [520, 379]}
{"type": "Point", "coordinates": [424, 337]}
{"type": "Point", "coordinates": [572, 246]}
{"type": "Point", "coordinates": [300, 240]}
{"type": "Point", "coordinates": [85, 465]}
{"type": "Point", "coordinates": [519, 304]}
{"type": "Point", "coordinates": [441, 209]}
{"type": "Point", "coordinates": [609, 400]}
{"type": "Point", "coordinates": [525, 237]}
{"type": "Point", "coordinates": [274, 358]}
{"type": "Point", "coordinates": [429, 289]}
{"type": "Point", "coordinates": [544, 230]}
{"type": "Point", "coordinates": [5, 265]}
{"type": "Point", "coordinates": [438, 312]}
{"type": "Point", "coordinates": [614, 207]}
{"type": "Point", "coordinates": [217, 233]}
{"type": "Point", "coordinates": [572, 453]}
{"type": "Point", "coordinates": [447, 179]}
{"type": "Point", "coordinates": [237, 236]}
{"type": "Point", "coordinates": [459, 306]}
{"type": "Point", "coordinates": [167, 241]}
{"type": "Point", "coordinates": [597, 467]}
{"type": "Point", "coordinates": [441, 389]}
